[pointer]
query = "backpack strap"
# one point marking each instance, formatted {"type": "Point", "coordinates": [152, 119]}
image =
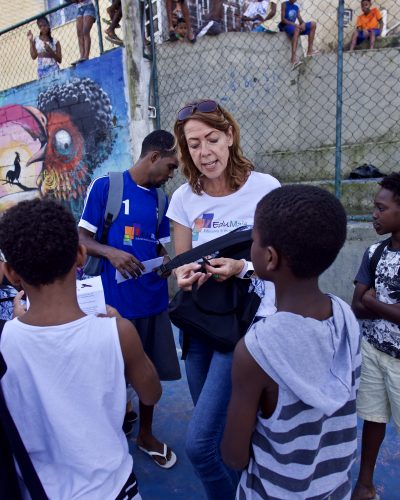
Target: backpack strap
{"type": "Point", "coordinates": [26, 467]}
{"type": "Point", "coordinates": [376, 257]}
{"type": "Point", "coordinates": [161, 202]}
{"type": "Point", "coordinates": [114, 200]}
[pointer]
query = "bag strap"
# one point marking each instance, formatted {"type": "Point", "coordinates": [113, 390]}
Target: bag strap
{"type": "Point", "coordinates": [208, 248]}
{"type": "Point", "coordinates": [376, 256]}
{"type": "Point", "coordinates": [114, 200]}
{"type": "Point", "coordinates": [161, 202]}
{"type": "Point", "coordinates": [26, 467]}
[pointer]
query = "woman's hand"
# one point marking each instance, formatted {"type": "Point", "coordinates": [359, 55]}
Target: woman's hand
{"type": "Point", "coordinates": [223, 268]}
{"type": "Point", "coordinates": [188, 274]}
{"type": "Point", "coordinates": [30, 36]}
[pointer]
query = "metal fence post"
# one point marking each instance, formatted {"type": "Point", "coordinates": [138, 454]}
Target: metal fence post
{"type": "Point", "coordinates": [154, 76]}
{"type": "Point", "coordinates": [339, 101]}
{"type": "Point", "coordinates": [99, 31]}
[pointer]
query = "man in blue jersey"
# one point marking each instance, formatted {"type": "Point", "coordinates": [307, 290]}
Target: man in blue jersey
{"type": "Point", "coordinates": [135, 237]}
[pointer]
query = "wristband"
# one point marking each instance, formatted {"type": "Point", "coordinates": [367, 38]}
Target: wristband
{"type": "Point", "coordinates": [247, 271]}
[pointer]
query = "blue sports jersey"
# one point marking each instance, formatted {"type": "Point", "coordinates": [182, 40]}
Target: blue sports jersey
{"type": "Point", "coordinates": [291, 11]}
{"type": "Point", "coordinates": [133, 231]}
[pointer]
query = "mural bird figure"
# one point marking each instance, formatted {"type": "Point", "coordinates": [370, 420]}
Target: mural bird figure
{"type": "Point", "coordinates": [13, 175]}
{"type": "Point", "coordinates": [74, 127]}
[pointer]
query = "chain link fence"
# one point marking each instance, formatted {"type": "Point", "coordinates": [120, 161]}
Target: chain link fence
{"type": "Point", "coordinates": [315, 121]}
{"type": "Point", "coordinates": [16, 64]}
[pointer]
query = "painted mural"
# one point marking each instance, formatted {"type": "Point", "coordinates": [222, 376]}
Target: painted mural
{"type": "Point", "coordinates": [57, 134]}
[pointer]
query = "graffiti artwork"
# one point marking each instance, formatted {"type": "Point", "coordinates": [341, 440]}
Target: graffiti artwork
{"type": "Point", "coordinates": [56, 145]}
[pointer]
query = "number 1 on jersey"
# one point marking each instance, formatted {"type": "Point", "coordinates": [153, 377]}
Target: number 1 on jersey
{"type": "Point", "coordinates": [126, 203]}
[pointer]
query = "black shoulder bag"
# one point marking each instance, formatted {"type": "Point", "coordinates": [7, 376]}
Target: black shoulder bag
{"type": "Point", "coordinates": [217, 313]}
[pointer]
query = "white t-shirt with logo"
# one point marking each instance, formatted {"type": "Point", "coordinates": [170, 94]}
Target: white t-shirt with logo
{"type": "Point", "coordinates": [212, 216]}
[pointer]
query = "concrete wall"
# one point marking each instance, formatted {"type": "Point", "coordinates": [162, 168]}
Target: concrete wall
{"type": "Point", "coordinates": [338, 279]}
{"type": "Point", "coordinates": [62, 132]}
{"type": "Point", "coordinates": [288, 118]}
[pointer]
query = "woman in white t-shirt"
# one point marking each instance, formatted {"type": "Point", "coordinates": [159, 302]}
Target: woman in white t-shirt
{"type": "Point", "coordinates": [221, 194]}
{"type": "Point", "coordinates": [45, 48]}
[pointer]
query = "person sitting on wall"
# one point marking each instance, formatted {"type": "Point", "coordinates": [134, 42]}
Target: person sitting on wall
{"type": "Point", "coordinates": [369, 25]}
{"type": "Point", "coordinates": [115, 13]}
{"type": "Point", "coordinates": [214, 24]}
{"type": "Point", "coordinates": [182, 12]}
{"type": "Point", "coordinates": [257, 12]}
{"type": "Point", "coordinates": [290, 14]}
{"type": "Point", "coordinates": [45, 48]}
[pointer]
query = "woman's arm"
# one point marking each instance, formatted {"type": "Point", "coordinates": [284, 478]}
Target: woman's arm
{"type": "Point", "coordinates": [182, 238]}
{"type": "Point", "coordinates": [32, 47]}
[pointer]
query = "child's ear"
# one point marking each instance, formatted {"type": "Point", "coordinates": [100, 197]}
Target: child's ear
{"type": "Point", "coordinates": [81, 255]}
{"type": "Point", "coordinates": [271, 259]}
{"type": "Point", "coordinates": [12, 276]}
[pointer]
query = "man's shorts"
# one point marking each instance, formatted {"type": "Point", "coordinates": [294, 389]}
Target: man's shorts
{"type": "Point", "coordinates": [361, 37]}
{"type": "Point", "coordinates": [158, 342]}
{"type": "Point", "coordinates": [378, 397]}
{"type": "Point", "coordinates": [86, 10]}
{"type": "Point", "coordinates": [290, 29]}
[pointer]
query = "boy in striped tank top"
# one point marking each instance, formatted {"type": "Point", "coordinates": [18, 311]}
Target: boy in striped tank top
{"type": "Point", "coordinates": [291, 421]}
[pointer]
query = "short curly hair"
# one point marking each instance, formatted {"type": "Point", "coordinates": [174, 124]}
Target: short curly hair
{"type": "Point", "coordinates": [392, 183]}
{"type": "Point", "coordinates": [305, 224]}
{"type": "Point", "coordinates": [39, 240]}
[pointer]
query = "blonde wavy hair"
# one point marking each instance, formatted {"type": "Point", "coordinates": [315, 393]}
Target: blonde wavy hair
{"type": "Point", "coordinates": [238, 168]}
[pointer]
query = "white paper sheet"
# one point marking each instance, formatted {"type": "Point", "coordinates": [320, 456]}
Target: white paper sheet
{"type": "Point", "coordinates": [149, 265]}
{"type": "Point", "coordinates": [91, 296]}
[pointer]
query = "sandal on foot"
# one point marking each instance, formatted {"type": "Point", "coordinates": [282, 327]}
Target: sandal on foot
{"type": "Point", "coordinates": [296, 64]}
{"type": "Point", "coordinates": [168, 462]}
{"type": "Point", "coordinates": [313, 53]}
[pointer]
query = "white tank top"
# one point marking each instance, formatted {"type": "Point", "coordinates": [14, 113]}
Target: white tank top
{"type": "Point", "coordinates": [65, 389]}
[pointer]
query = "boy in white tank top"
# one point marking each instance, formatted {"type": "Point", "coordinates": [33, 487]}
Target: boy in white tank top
{"type": "Point", "coordinates": [64, 367]}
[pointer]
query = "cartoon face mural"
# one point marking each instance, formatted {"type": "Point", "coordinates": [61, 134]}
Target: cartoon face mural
{"type": "Point", "coordinates": [59, 133]}
{"type": "Point", "coordinates": [52, 149]}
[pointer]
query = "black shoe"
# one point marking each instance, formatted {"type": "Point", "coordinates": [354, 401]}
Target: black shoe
{"type": "Point", "coordinates": [130, 416]}
{"type": "Point", "coordinates": [127, 427]}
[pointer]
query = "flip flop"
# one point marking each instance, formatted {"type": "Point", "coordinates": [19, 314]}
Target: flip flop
{"type": "Point", "coordinates": [168, 463]}
{"type": "Point", "coordinates": [296, 64]}
{"type": "Point", "coordinates": [313, 53]}
{"type": "Point", "coordinates": [116, 41]}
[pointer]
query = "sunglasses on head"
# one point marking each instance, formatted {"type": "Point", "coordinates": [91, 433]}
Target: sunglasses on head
{"type": "Point", "coordinates": [201, 106]}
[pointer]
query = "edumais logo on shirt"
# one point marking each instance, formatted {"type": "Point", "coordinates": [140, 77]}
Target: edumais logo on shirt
{"type": "Point", "coordinates": [206, 221]}
{"type": "Point", "coordinates": [131, 232]}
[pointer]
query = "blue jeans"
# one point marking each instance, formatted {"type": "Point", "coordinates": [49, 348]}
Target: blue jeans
{"type": "Point", "coordinates": [209, 379]}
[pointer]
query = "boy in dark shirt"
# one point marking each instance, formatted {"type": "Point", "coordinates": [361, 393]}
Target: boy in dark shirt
{"type": "Point", "coordinates": [376, 301]}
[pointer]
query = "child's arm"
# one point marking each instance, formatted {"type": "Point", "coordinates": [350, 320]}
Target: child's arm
{"type": "Point", "coordinates": [389, 312]}
{"type": "Point", "coordinates": [139, 370]}
{"type": "Point", "coordinates": [359, 308]}
{"type": "Point", "coordinates": [248, 383]}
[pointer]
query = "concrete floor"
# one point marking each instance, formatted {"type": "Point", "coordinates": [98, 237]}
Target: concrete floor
{"type": "Point", "coordinates": [171, 419]}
